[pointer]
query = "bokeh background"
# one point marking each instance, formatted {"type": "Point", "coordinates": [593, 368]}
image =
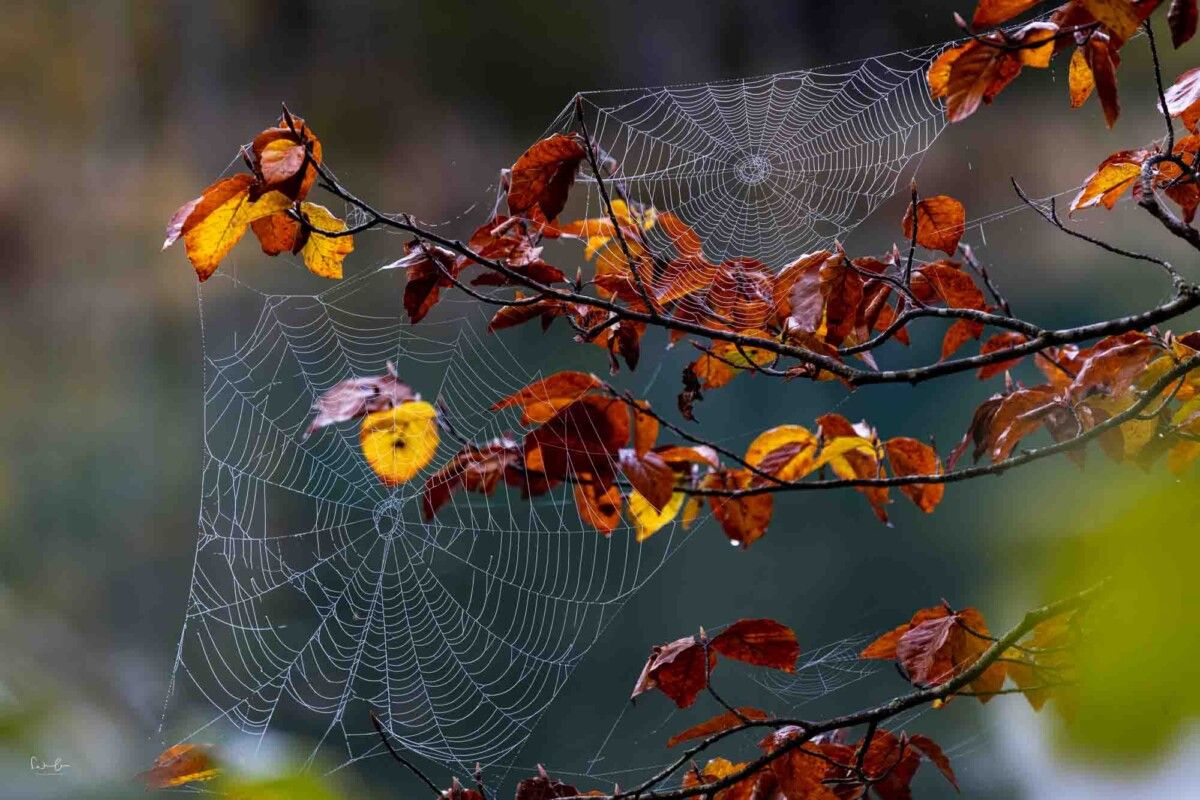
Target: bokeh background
{"type": "Point", "coordinates": [117, 112]}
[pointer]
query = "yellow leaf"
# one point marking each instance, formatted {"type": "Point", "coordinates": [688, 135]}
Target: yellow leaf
{"type": "Point", "coordinates": [1080, 80]}
{"type": "Point", "coordinates": [323, 255]}
{"type": "Point", "coordinates": [834, 453]}
{"type": "Point", "coordinates": [691, 511]}
{"type": "Point", "coordinates": [647, 519]}
{"type": "Point", "coordinates": [399, 442]}
{"type": "Point", "coordinates": [214, 222]}
{"type": "Point", "coordinates": [803, 448]}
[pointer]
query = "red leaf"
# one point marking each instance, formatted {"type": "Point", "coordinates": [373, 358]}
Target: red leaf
{"type": "Point", "coordinates": [717, 724]}
{"type": "Point", "coordinates": [542, 177]}
{"type": "Point", "coordinates": [677, 669]}
{"type": "Point", "coordinates": [762, 642]}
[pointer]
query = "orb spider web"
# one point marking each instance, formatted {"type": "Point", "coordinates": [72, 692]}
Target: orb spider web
{"type": "Point", "coordinates": [319, 595]}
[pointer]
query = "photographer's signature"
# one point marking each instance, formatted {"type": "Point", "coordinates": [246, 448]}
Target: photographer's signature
{"type": "Point", "coordinates": [40, 766]}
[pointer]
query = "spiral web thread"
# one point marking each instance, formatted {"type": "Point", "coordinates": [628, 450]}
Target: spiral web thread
{"type": "Point", "coordinates": [318, 594]}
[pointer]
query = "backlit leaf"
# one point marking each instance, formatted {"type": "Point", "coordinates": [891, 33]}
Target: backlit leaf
{"type": "Point", "coordinates": [398, 443]}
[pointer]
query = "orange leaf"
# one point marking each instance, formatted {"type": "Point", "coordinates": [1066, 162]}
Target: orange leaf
{"type": "Point", "coordinates": [997, 343]}
{"type": "Point", "coordinates": [541, 400]}
{"type": "Point", "coordinates": [599, 506]}
{"type": "Point", "coordinates": [994, 12]}
{"type": "Point", "coordinates": [762, 642]}
{"type": "Point", "coordinates": [1102, 58]}
{"type": "Point", "coordinates": [1118, 16]}
{"type": "Point", "coordinates": [911, 457]}
{"type": "Point", "coordinates": [180, 764]}
{"type": "Point", "coordinates": [941, 222]}
{"type": "Point", "coordinates": [744, 519]}
{"type": "Point", "coordinates": [717, 724]}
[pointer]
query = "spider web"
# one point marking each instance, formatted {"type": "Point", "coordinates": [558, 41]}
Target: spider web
{"type": "Point", "coordinates": [318, 594]}
{"type": "Point", "coordinates": [771, 167]}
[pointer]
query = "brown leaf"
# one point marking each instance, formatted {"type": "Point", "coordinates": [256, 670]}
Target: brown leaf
{"type": "Point", "coordinates": [934, 753]}
{"type": "Point", "coordinates": [743, 519]}
{"type": "Point", "coordinates": [677, 669]}
{"type": "Point", "coordinates": [912, 457]}
{"type": "Point", "coordinates": [475, 469]}
{"type": "Point", "coordinates": [179, 765]}
{"type": "Point", "coordinates": [278, 233]}
{"type": "Point", "coordinates": [650, 475]}
{"type": "Point", "coordinates": [542, 177]}
{"type": "Point", "coordinates": [941, 222]}
{"type": "Point", "coordinates": [541, 400]}
{"type": "Point", "coordinates": [430, 269]}
{"type": "Point", "coordinates": [543, 787]}
{"type": "Point", "coordinates": [1182, 18]}
{"type": "Point", "coordinates": [358, 397]}
{"type": "Point", "coordinates": [958, 334]}
{"type": "Point", "coordinates": [278, 154]}
{"type": "Point", "coordinates": [971, 74]}
{"type": "Point", "coordinates": [723, 722]}
{"type": "Point", "coordinates": [995, 344]}
{"type": "Point", "coordinates": [1103, 59]}
{"type": "Point", "coordinates": [994, 12]}
{"type": "Point", "coordinates": [581, 440]}
{"type": "Point", "coordinates": [762, 642]}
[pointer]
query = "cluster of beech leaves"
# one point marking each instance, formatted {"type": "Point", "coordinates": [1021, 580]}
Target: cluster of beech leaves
{"type": "Point", "coordinates": [1094, 31]}
{"type": "Point", "coordinates": [270, 201]}
{"type": "Point", "coordinates": [937, 646]}
{"type": "Point", "coordinates": [811, 318]}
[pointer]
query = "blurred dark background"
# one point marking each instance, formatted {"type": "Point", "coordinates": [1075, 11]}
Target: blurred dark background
{"type": "Point", "coordinates": [118, 112]}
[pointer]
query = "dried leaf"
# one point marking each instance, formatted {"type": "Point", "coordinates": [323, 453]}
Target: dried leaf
{"type": "Point", "coordinates": [995, 12]}
{"type": "Point", "coordinates": [359, 396]}
{"type": "Point", "coordinates": [541, 400]}
{"type": "Point", "coordinates": [542, 177]}
{"type": "Point", "coordinates": [1182, 18]}
{"type": "Point", "coordinates": [179, 765]}
{"type": "Point", "coordinates": [744, 519]}
{"type": "Point", "coordinates": [677, 669]}
{"type": "Point", "coordinates": [762, 642]}
{"type": "Point", "coordinates": [912, 457]}
{"type": "Point", "coordinates": [717, 724]}
{"type": "Point", "coordinates": [941, 222]}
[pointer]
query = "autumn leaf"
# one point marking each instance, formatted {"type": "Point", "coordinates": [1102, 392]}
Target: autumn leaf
{"type": "Point", "coordinates": [744, 519]}
{"type": "Point", "coordinates": [278, 154]}
{"type": "Point", "coordinates": [475, 469]}
{"type": "Point", "coordinates": [649, 475]}
{"type": "Point", "coordinates": [429, 269]}
{"type": "Point", "coordinates": [937, 644]}
{"type": "Point", "coordinates": [678, 670]}
{"type": "Point", "coordinates": [995, 344]}
{"type": "Point", "coordinates": [542, 177]}
{"type": "Point", "coordinates": [399, 442]}
{"type": "Point", "coordinates": [722, 722]}
{"type": "Point", "coordinates": [598, 505]}
{"type": "Point", "coordinates": [356, 397]}
{"type": "Point", "coordinates": [1118, 16]}
{"type": "Point", "coordinates": [542, 787]}
{"type": "Point", "coordinates": [1182, 18]}
{"type": "Point", "coordinates": [995, 12]}
{"type": "Point", "coordinates": [323, 255]}
{"type": "Point", "coordinates": [850, 451]}
{"type": "Point", "coordinates": [1103, 59]}
{"type": "Point", "coordinates": [786, 451]}
{"type": "Point", "coordinates": [179, 765]}
{"type": "Point", "coordinates": [1183, 99]}
{"type": "Point", "coordinates": [941, 221]}
{"type": "Point", "coordinates": [762, 642]}
{"type": "Point", "coordinates": [1080, 80]}
{"type": "Point", "coordinates": [717, 769]}
{"type": "Point", "coordinates": [970, 74]}
{"type": "Point", "coordinates": [541, 400]}
{"type": "Point", "coordinates": [912, 457]}
{"type": "Point", "coordinates": [648, 520]}
{"type": "Point", "coordinates": [213, 223]}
